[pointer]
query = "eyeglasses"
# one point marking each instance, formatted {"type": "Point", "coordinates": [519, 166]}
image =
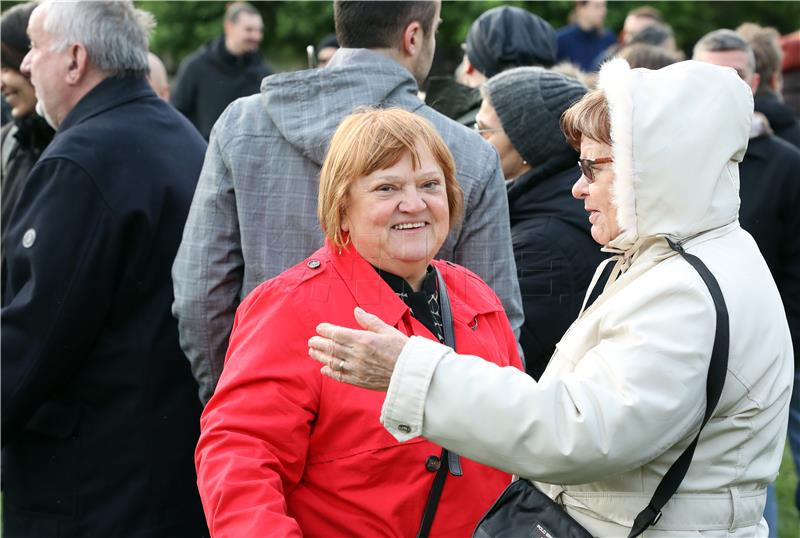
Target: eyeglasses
{"type": "Point", "coordinates": [587, 164]}
{"type": "Point", "coordinates": [483, 130]}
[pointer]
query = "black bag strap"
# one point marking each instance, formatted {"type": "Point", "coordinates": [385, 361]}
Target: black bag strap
{"type": "Point", "coordinates": [449, 460]}
{"type": "Point", "coordinates": [717, 370]}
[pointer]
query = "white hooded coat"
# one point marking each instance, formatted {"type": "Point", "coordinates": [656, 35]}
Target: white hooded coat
{"type": "Point", "coordinates": [624, 393]}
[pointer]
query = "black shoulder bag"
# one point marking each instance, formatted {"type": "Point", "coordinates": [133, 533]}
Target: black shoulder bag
{"type": "Point", "coordinates": [453, 461]}
{"type": "Point", "coordinates": [523, 510]}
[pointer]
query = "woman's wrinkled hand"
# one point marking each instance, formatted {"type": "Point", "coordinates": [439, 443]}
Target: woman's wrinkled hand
{"type": "Point", "coordinates": [365, 358]}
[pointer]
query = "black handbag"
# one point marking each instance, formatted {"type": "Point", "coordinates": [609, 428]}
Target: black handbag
{"type": "Point", "coordinates": [523, 510]}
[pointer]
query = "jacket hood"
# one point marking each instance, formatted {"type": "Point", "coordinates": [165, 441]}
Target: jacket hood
{"type": "Point", "coordinates": [678, 135]}
{"type": "Point", "coordinates": [307, 106]}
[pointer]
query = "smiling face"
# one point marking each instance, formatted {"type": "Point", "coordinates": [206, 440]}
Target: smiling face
{"type": "Point", "coordinates": [18, 92]}
{"type": "Point", "coordinates": [596, 195]}
{"type": "Point", "coordinates": [398, 217]}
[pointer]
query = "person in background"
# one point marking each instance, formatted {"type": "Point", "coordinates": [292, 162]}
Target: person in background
{"type": "Point", "coordinates": [770, 196]}
{"type": "Point", "coordinates": [553, 247]}
{"type": "Point", "coordinates": [157, 77]}
{"type": "Point", "coordinates": [625, 393]}
{"type": "Point", "coordinates": [326, 48]}
{"type": "Point", "coordinates": [790, 44]}
{"type": "Point", "coordinates": [766, 46]}
{"type": "Point", "coordinates": [254, 213]}
{"type": "Point", "coordinates": [25, 138]}
{"type": "Point", "coordinates": [637, 20]}
{"type": "Point", "coordinates": [501, 38]}
{"type": "Point", "coordinates": [223, 70]}
{"type": "Point", "coordinates": [647, 56]}
{"type": "Point", "coordinates": [100, 412]}
{"type": "Point", "coordinates": [643, 25]}
{"type": "Point", "coordinates": [285, 451]}
{"type": "Point", "coordinates": [586, 36]}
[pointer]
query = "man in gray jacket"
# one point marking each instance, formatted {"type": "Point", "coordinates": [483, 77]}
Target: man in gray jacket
{"type": "Point", "coordinates": [254, 211]}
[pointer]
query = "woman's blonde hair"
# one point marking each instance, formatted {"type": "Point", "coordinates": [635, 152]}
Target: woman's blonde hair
{"type": "Point", "coordinates": [376, 139]}
{"type": "Point", "coordinates": [588, 117]}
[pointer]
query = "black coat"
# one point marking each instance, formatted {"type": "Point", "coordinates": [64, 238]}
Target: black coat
{"type": "Point", "coordinates": [100, 413]}
{"type": "Point", "coordinates": [454, 100]}
{"type": "Point", "coordinates": [211, 79]}
{"type": "Point", "coordinates": [770, 196]}
{"type": "Point", "coordinates": [781, 118]}
{"type": "Point", "coordinates": [23, 141]}
{"type": "Point", "coordinates": [555, 254]}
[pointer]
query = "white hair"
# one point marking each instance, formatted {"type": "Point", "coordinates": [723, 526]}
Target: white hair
{"type": "Point", "coordinates": [115, 33]}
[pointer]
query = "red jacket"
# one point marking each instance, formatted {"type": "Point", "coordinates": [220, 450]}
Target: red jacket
{"type": "Point", "coordinates": [285, 451]}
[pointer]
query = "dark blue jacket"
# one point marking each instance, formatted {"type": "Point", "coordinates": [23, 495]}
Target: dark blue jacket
{"type": "Point", "coordinates": [581, 47]}
{"type": "Point", "coordinates": [555, 254]}
{"type": "Point", "coordinates": [99, 409]}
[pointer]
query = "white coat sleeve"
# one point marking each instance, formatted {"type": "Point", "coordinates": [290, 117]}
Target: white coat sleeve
{"type": "Point", "coordinates": [637, 393]}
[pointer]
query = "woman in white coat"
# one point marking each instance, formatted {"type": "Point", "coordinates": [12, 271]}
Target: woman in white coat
{"type": "Point", "coordinates": [625, 391]}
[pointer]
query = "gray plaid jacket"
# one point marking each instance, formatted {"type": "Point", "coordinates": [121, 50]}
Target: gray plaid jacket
{"type": "Point", "coordinates": [254, 210]}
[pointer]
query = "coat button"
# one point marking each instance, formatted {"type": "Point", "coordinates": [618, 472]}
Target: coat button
{"type": "Point", "coordinates": [29, 238]}
{"type": "Point", "coordinates": [433, 463]}
{"type": "Point", "coordinates": [405, 428]}
{"type": "Point", "coordinates": [313, 264]}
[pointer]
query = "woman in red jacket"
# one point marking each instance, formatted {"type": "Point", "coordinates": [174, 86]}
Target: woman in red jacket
{"type": "Point", "coordinates": [285, 451]}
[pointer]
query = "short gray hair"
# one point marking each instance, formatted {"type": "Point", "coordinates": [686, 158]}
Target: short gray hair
{"type": "Point", "coordinates": [115, 33]}
{"type": "Point", "coordinates": [725, 40]}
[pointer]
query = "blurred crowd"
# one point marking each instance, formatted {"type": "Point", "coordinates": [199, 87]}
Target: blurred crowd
{"type": "Point", "coordinates": [138, 213]}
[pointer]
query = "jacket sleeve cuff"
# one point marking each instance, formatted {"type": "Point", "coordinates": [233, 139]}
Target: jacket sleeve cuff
{"type": "Point", "coordinates": [404, 406]}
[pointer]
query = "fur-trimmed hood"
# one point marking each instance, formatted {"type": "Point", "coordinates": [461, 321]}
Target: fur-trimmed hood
{"type": "Point", "coordinates": [678, 135]}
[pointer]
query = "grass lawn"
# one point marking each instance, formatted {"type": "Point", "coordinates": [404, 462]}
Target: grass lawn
{"type": "Point", "coordinates": [788, 519]}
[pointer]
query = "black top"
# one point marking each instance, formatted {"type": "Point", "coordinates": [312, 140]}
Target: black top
{"type": "Point", "coordinates": [770, 195]}
{"type": "Point", "coordinates": [23, 141]}
{"type": "Point", "coordinates": [211, 79]}
{"type": "Point", "coordinates": [454, 100]}
{"type": "Point", "coordinates": [555, 255]}
{"type": "Point", "coordinates": [424, 304]}
{"type": "Point", "coordinates": [781, 118]}
{"type": "Point", "coordinates": [99, 403]}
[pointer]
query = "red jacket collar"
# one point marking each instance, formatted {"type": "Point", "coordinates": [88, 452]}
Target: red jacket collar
{"type": "Point", "coordinates": [369, 290]}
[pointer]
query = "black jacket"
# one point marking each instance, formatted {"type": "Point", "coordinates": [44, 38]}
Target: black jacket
{"type": "Point", "coordinates": [100, 414]}
{"type": "Point", "coordinates": [781, 118]}
{"type": "Point", "coordinates": [770, 197]}
{"type": "Point", "coordinates": [555, 254]}
{"type": "Point", "coordinates": [211, 79]}
{"type": "Point", "coordinates": [456, 101]}
{"type": "Point", "coordinates": [23, 141]}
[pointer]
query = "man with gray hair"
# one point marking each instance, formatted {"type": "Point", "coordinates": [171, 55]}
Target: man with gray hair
{"type": "Point", "coordinates": [100, 414]}
{"type": "Point", "coordinates": [770, 195]}
{"type": "Point", "coordinates": [768, 99]}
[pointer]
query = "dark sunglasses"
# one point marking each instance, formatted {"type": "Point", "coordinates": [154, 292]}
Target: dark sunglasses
{"type": "Point", "coordinates": [587, 164]}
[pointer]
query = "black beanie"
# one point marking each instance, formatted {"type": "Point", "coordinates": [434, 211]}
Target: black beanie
{"type": "Point", "coordinates": [529, 102]}
{"type": "Point", "coordinates": [506, 36]}
{"type": "Point", "coordinates": [13, 35]}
